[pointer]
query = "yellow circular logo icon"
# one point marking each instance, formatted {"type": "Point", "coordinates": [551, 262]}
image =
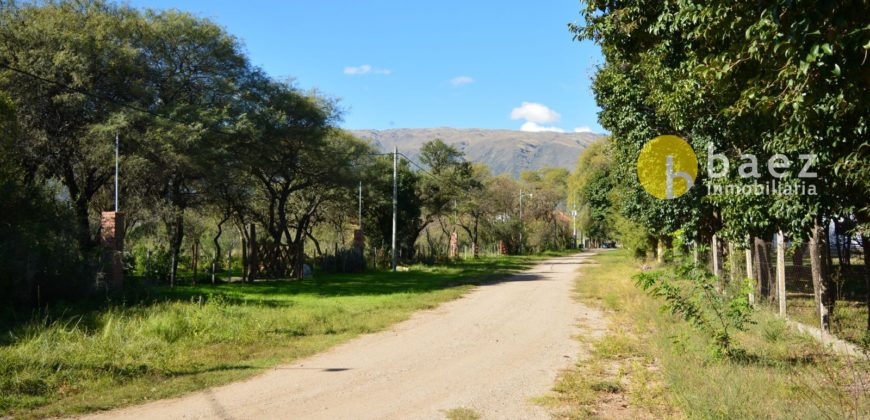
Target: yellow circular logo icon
{"type": "Point", "coordinates": [667, 167]}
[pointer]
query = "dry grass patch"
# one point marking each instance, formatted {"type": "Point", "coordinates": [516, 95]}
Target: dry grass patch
{"type": "Point", "coordinates": [653, 365]}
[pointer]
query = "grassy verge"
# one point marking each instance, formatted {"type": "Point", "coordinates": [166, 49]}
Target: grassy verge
{"type": "Point", "coordinates": [848, 322]}
{"type": "Point", "coordinates": [650, 364]}
{"type": "Point", "coordinates": [172, 341]}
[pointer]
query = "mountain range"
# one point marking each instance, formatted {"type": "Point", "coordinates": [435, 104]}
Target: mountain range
{"type": "Point", "coordinates": [504, 151]}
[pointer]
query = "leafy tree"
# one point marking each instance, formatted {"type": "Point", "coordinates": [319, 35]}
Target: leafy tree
{"type": "Point", "coordinates": [378, 206]}
{"type": "Point", "coordinates": [448, 176]}
{"type": "Point", "coordinates": [472, 206]}
{"type": "Point", "coordinates": [502, 222]}
{"type": "Point", "coordinates": [194, 71]}
{"type": "Point", "coordinates": [758, 78]}
{"type": "Point", "coordinates": [39, 258]}
{"type": "Point", "coordinates": [67, 66]}
{"type": "Point", "coordinates": [590, 189]}
{"type": "Point", "coordinates": [544, 191]}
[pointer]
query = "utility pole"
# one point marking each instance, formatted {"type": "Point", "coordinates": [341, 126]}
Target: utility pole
{"type": "Point", "coordinates": [360, 205]}
{"type": "Point", "coordinates": [395, 201]}
{"type": "Point", "coordinates": [116, 172]}
{"type": "Point", "coordinates": [574, 223]}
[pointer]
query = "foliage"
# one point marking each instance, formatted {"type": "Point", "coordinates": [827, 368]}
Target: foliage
{"type": "Point", "coordinates": [666, 370]}
{"type": "Point", "coordinates": [207, 141]}
{"type": "Point", "coordinates": [691, 292]}
{"type": "Point", "coordinates": [737, 79]}
{"type": "Point", "coordinates": [378, 213]}
{"type": "Point", "coordinates": [39, 257]}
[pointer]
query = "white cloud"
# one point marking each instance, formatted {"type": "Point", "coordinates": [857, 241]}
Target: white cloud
{"type": "Point", "coordinates": [583, 129]}
{"type": "Point", "coordinates": [461, 80]}
{"type": "Point", "coordinates": [534, 112]}
{"type": "Point", "coordinates": [533, 127]}
{"type": "Point", "coordinates": [364, 69]}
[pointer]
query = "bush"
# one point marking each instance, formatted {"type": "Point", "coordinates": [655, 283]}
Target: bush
{"type": "Point", "coordinates": [634, 237]}
{"type": "Point", "coordinates": [39, 257]}
{"type": "Point", "coordinates": [691, 292]}
{"type": "Point", "coordinates": [344, 261]}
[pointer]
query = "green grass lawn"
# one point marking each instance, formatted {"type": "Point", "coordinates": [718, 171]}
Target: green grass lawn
{"type": "Point", "coordinates": [165, 342]}
{"type": "Point", "coordinates": [651, 365]}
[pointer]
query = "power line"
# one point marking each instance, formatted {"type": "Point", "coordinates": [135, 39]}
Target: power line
{"type": "Point", "coordinates": [155, 114]}
{"type": "Point", "coordinates": [108, 99]}
{"type": "Point", "coordinates": [422, 169]}
{"type": "Point", "coordinates": [129, 106]}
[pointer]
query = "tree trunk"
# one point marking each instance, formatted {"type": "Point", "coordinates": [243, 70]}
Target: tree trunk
{"type": "Point", "coordinates": [299, 259]}
{"type": "Point", "coordinates": [797, 258]}
{"type": "Point", "coordinates": [81, 197]}
{"type": "Point", "coordinates": [85, 240]}
{"type": "Point", "coordinates": [217, 244]}
{"type": "Point", "coordinates": [446, 233]}
{"type": "Point", "coordinates": [475, 246]}
{"type": "Point", "coordinates": [822, 289]}
{"type": "Point", "coordinates": [829, 258]}
{"type": "Point", "coordinates": [317, 244]}
{"type": "Point", "coordinates": [865, 242]}
{"type": "Point", "coordinates": [762, 265]}
{"type": "Point", "coordinates": [847, 251]}
{"type": "Point", "coordinates": [175, 246]}
{"type": "Point", "coordinates": [195, 259]}
{"type": "Point", "coordinates": [840, 253]}
{"type": "Point", "coordinates": [253, 258]}
{"type": "Point", "coordinates": [244, 254]}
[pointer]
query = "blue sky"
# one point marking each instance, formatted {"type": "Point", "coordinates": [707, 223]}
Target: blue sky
{"type": "Point", "coordinates": [411, 64]}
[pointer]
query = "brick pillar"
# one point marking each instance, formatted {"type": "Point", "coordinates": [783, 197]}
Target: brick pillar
{"type": "Point", "coordinates": [112, 239]}
{"type": "Point", "coordinates": [502, 248]}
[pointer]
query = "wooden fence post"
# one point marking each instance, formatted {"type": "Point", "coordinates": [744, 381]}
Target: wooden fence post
{"type": "Point", "coordinates": [780, 272]}
{"type": "Point", "coordinates": [749, 273]}
{"type": "Point", "coordinates": [717, 265]}
{"type": "Point", "coordinates": [733, 266]}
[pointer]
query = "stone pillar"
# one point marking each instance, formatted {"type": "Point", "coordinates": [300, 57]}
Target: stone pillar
{"type": "Point", "coordinates": [454, 245]}
{"type": "Point", "coordinates": [112, 239]}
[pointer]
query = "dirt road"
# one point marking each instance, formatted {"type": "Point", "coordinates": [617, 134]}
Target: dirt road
{"type": "Point", "coordinates": [490, 351]}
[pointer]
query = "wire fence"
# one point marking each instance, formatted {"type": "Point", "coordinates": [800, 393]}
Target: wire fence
{"type": "Point", "coordinates": [782, 276]}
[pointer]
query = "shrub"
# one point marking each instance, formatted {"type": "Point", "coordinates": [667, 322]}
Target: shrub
{"type": "Point", "coordinates": [691, 292]}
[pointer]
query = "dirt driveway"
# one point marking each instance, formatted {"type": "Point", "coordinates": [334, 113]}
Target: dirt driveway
{"type": "Point", "coordinates": [490, 351]}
